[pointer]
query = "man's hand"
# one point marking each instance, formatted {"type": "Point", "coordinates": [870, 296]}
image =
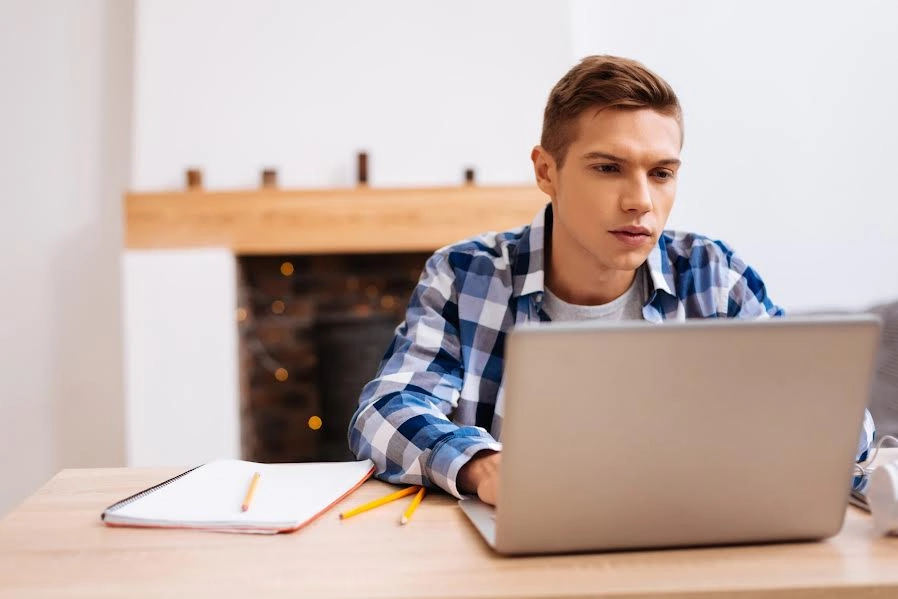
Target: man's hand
{"type": "Point", "coordinates": [481, 476]}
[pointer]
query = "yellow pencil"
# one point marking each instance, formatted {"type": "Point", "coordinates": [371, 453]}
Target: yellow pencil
{"type": "Point", "coordinates": [412, 507]}
{"type": "Point", "coordinates": [378, 502]}
{"type": "Point", "coordinates": [250, 492]}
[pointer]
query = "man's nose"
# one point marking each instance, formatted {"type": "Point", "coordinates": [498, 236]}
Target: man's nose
{"type": "Point", "coordinates": [637, 196]}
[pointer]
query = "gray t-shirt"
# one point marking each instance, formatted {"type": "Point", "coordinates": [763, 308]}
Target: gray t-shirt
{"type": "Point", "coordinates": [627, 307]}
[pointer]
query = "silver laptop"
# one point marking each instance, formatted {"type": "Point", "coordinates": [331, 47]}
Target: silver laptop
{"type": "Point", "coordinates": [633, 435]}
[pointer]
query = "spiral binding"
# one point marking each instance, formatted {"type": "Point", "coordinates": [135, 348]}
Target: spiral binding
{"type": "Point", "coordinates": [144, 493]}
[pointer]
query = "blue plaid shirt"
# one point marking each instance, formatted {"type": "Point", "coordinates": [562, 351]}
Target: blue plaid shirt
{"type": "Point", "coordinates": [438, 399]}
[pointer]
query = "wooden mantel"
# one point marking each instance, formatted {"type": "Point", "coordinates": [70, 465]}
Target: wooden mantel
{"type": "Point", "coordinates": [352, 220]}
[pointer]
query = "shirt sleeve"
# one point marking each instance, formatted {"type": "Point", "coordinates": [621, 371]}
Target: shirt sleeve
{"type": "Point", "coordinates": [747, 297]}
{"type": "Point", "coordinates": [403, 420]}
{"type": "Point", "coordinates": [867, 436]}
{"type": "Point", "coordinates": [865, 443]}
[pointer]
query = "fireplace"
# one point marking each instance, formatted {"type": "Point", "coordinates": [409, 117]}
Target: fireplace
{"type": "Point", "coordinates": [318, 280]}
{"type": "Point", "coordinates": [312, 331]}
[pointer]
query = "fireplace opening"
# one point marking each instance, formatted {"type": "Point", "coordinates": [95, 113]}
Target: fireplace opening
{"type": "Point", "coordinates": [313, 330]}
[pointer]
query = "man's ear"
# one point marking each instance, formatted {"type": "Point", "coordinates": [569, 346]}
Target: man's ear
{"type": "Point", "coordinates": [545, 170]}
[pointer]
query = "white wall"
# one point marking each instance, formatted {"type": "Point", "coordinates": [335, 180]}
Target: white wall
{"type": "Point", "coordinates": [791, 124]}
{"type": "Point", "coordinates": [426, 88]}
{"type": "Point", "coordinates": [64, 157]}
{"type": "Point", "coordinates": [182, 382]}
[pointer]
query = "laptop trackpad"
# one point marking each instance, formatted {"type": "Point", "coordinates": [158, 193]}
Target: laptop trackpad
{"type": "Point", "coordinates": [482, 515]}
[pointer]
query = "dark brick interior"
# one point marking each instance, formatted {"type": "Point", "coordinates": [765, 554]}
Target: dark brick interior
{"type": "Point", "coordinates": [326, 321]}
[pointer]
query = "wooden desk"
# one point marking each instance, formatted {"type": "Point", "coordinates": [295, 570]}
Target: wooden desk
{"type": "Point", "coordinates": [54, 545]}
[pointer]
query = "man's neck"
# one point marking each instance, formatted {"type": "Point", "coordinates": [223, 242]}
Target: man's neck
{"type": "Point", "coordinates": [583, 282]}
{"type": "Point", "coordinates": [598, 291]}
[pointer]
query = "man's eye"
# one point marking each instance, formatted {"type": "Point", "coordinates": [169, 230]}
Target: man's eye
{"type": "Point", "coordinates": [606, 168]}
{"type": "Point", "coordinates": [663, 174]}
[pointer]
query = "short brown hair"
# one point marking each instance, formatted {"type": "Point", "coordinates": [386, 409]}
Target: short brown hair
{"type": "Point", "coordinates": [602, 82]}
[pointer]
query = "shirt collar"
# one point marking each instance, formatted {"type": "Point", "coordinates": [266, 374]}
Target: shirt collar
{"type": "Point", "coordinates": [659, 268]}
{"type": "Point", "coordinates": [528, 271]}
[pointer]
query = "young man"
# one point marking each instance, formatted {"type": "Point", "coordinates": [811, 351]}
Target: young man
{"type": "Point", "coordinates": [608, 160]}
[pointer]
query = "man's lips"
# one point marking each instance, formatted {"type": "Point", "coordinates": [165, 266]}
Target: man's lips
{"type": "Point", "coordinates": [633, 231]}
{"type": "Point", "coordinates": [632, 237]}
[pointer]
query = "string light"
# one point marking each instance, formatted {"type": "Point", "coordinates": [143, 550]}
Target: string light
{"type": "Point", "coordinates": [241, 314]}
{"type": "Point", "coordinates": [278, 307]}
{"type": "Point", "coordinates": [387, 302]}
{"type": "Point", "coordinates": [281, 374]}
{"type": "Point", "coordinates": [361, 310]}
{"type": "Point", "coordinates": [286, 268]}
{"type": "Point", "coordinates": [315, 423]}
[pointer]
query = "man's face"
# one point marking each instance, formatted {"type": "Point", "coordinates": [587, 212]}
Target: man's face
{"type": "Point", "coordinates": [614, 192]}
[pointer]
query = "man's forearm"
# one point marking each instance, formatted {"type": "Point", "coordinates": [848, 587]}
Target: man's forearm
{"type": "Point", "coordinates": [412, 442]}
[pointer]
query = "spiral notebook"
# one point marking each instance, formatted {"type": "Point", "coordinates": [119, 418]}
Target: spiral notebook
{"type": "Point", "coordinates": [210, 497]}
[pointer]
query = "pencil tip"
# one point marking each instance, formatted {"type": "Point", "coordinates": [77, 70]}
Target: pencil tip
{"type": "Point", "coordinates": [403, 520]}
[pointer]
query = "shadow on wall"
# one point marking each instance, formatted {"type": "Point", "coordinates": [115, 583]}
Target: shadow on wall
{"type": "Point", "coordinates": [89, 396]}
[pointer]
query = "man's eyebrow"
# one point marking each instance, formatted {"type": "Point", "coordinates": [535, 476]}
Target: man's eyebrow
{"type": "Point", "coordinates": [613, 158]}
{"type": "Point", "coordinates": [594, 155]}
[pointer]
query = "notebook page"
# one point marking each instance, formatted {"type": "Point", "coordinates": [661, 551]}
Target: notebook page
{"type": "Point", "coordinates": [300, 491]}
{"type": "Point", "coordinates": [211, 495]}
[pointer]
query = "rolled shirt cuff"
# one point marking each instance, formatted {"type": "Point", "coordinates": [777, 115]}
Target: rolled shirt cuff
{"type": "Point", "coordinates": [453, 452]}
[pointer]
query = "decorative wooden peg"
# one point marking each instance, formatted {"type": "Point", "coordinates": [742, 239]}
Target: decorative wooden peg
{"type": "Point", "coordinates": [362, 173]}
{"type": "Point", "coordinates": [469, 176]}
{"type": "Point", "coordinates": [194, 179]}
{"type": "Point", "coordinates": [269, 178]}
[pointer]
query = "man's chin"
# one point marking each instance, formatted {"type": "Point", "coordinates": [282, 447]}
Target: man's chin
{"type": "Point", "coordinates": [631, 260]}
{"type": "Point", "coordinates": [612, 258]}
